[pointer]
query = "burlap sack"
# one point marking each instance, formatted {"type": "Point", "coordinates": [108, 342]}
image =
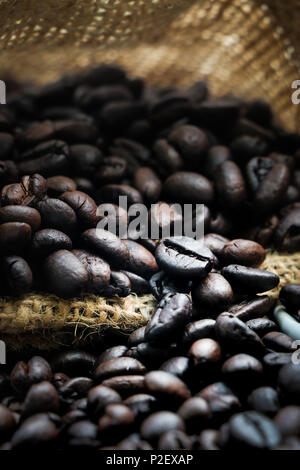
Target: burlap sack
{"type": "Point", "coordinates": [242, 46]}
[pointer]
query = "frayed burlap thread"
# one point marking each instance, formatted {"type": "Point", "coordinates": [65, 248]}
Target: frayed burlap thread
{"type": "Point", "coordinates": [47, 322]}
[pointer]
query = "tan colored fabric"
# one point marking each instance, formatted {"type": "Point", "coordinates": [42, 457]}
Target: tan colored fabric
{"type": "Point", "coordinates": [45, 321]}
{"type": "Point", "coordinates": [247, 47]}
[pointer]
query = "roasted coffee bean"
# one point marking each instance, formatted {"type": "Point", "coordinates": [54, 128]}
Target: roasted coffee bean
{"type": "Point", "coordinates": [116, 421]}
{"type": "Point", "coordinates": [221, 400]}
{"type": "Point", "coordinates": [172, 314]}
{"type": "Point", "coordinates": [84, 184]}
{"type": "Point", "coordinates": [17, 273]}
{"type": "Point", "coordinates": [134, 442]}
{"type": "Point", "coordinates": [265, 400]}
{"type": "Point", "coordinates": [98, 270]}
{"type": "Point", "coordinates": [216, 155]}
{"type": "Point", "coordinates": [213, 293]}
{"type": "Point", "coordinates": [161, 285]}
{"type": "Point", "coordinates": [215, 243]}
{"type": "Point", "coordinates": [253, 430]}
{"type": "Point", "coordinates": [184, 257]}
{"type": "Point", "coordinates": [112, 353]}
{"type": "Point", "coordinates": [188, 187]}
{"type": "Point", "coordinates": [118, 366]}
{"type": "Point", "coordinates": [126, 384]}
{"type": "Point", "coordinates": [137, 337]}
{"type": "Point", "coordinates": [83, 434]}
{"type": "Point", "coordinates": [175, 440]}
{"type": "Point", "coordinates": [141, 404]}
{"type": "Point", "coordinates": [160, 422]}
{"type": "Point", "coordinates": [84, 159]}
{"type": "Point", "coordinates": [141, 261]}
{"type": "Point", "coordinates": [290, 295]}
{"type": "Point", "coordinates": [287, 233]}
{"type": "Point", "coordinates": [196, 413]}
{"type": "Point", "coordinates": [250, 280]}
{"type": "Point", "coordinates": [205, 354]}
{"type": "Point", "coordinates": [8, 422]}
{"type": "Point", "coordinates": [250, 309]}
{"type": "Point", "coordinates": [112, 192]}
{"type": "Point", "coordinates": [119, 284]}
{"type": "Point", "coordinates": [230, 186]}
{"type": "Point", "coordinates": [23, 214]}
{"type": "Point", "coordinates": [148, 184]}
{"type": "Point", "coordinates": [107, 245]}
{"type": "Point", "coordinates": [138, 284]}
{"type": "Point", "coordinates": [246, 147]}
{"type": "Point", "coordinates": [58, 215]}
{"type": "Point", "coordinates": [46, 241]}
{"type": "Point", "coordinates": [37, 431]}
{"type": "Point", "coordinates": [58, 185]}
{"type": "Point", "coordinates": [243, 370]}
{"type": "Point", "coordinates": [200, 329]}
{"type": "Point", "coordinates": [289, 381]}
{"type": "Point", "coordinates": [272, 189]}
{"type": "Point", "coordinates": [208, 439]}
{"type": "Point", "coordinates": [178, 366]}
{"type": "Point", "coordinates": [190, 141]}
{"type": "Point", "coordinates": [99, 397]}
{"type": "Point", "coordinates": [274, 360]}
{"type": "Point", "coordinates": [262, 326]}
{"type": "Point", "coordinates": [24, 375]}
{"type": "Point", "coordinates": [279, 342]}
{"type": "Point", "coordinates": [245, 252]}
{"type": "Point", "coordinates": [84, 207]}
{"type": "Point", "coordinates": [40, 398]}
{"type": "Point", "coordinates": [166, 386]}
{"type": "Point", "coordinates": [167, 156]}
{"type": "Point", "coordinates": [14, 237]}
{"type": "Point", "coordinates": [74, 363]}
{"type": "Point", "coordinates": [257, 170]}
{"type": "Point", "coordinates": [65, 275]}
{"type": "Point", "coordinates": [220, 224]}
{"type": "Point", "coordinates": [235, 335]}
{"type": "Point", "coordinates": [287, 420]}
{"type": "Point", "coordinates": [169, 109]}
{"type": "Point", "coordinates": [263, 233]}
{"type": "Point", "coordinates": [112, 170]}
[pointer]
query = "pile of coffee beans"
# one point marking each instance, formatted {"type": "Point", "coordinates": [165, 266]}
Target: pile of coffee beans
{"type": "Point", "coordinates": [211, 369]}
{"type": "Point", "coordinates": [183, 381]}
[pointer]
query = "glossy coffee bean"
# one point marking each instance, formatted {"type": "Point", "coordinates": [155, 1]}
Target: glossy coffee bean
{"type": "Point", "coordinates": [250, 279]}
{"type": "Point", "coordinates": [196, 413]}
{"type": "Point", "coordinates": [119, 284]}
{"type": "Point", "coordinates": [25, 374]}
{"type": "Point", "coordinates": [222, 402]}
{"type": "Point", "coordinates": [245, 252]}
{"type": "Point", "coordinates": [14, 237]}
{"type": "Point", "coordinates": [279, 342]}
{"type": "Point", "coordinates": [23, 214]}
{"type": "Point", "coordinates": [213, 293]}
{"type": "Point", "coordinates": [41, 397]}
{"type": "Point", "coordinates": [272, 189]}
{"type": "Point", "coordinates": [184, 257]}
{"type": "Point", "coordinates": [190, 141]}
{"type": "Point", "coordinates": [160, 422]}
{"type": "Point", "coordinates": [84, 207]}
{"type": "Point", "coordinates": [242, 370]}
{"type": "Point", "coordinates": [162, 285]}
{"type": "Point", "coordinates": [286, 236]}
{"type": "Point", "coordinates": [36, 431]}
{"type": "Point", "coordinates": [166, 386]}
{"type": "Point", "coordinates": [116, 421]}
{"type": "Point", "coordinates": [215, 243]}
{"type": "Point", "coordinates": [107, 245]}
{"type": "Point", "coordinates": [167, 156]}
{"type": "Point", "coordinates": [205, 353]}
{"type": "Point", "coordinates": [250, 309]}
{"type": "Point", "coordinates": [118, 366]}
{"type": "Point", "coordinates": [172, 314]}
{"type": "Point", "coordinates": [75, 388]}
{"type": "Point", "coordinates": [58, 215]}
{"type": "Point", "coordinates": [137, 337]}
{"type": "Point", "coordinates": [58, 185]}
{"type": "Point", "coordinates": [65, 275]}
{"type": "Point", "coordinates": [265, 400]}
{"type": "Point", "coordinates": [230, 185]}
{"type": "Point", "coordinates": [111, 353]}
{"type": "Point", "coordinates": [99, 397]}
{"type": "Point", "coordinates": [149, 185]}
{"type": "Point", "coordinates": [46, 241]}
{"type": "Point", "coordinates": [287, 420]}
{"type": "Point", "coordinates": [126, 385]}
{"type": "Point", "coordinates": [199, 329]}
{"type": "Point", "coordinates": [289, 381]}
{"type": "Point", "coordinates": [18, 275]}
{"type": "Point", "coordinates": [175, 440]}
{"type": "Point", "coordinates": [141, 261]}
{"type": "Point", "coordinates": [178, 366]}
{"type": "Point", "coordinates": [290, 295]}
{"type": "Point", "coordinates": [112, 192]}
{"type": "Point", "coordinates": [138, 284]}
{"type": "Point", "coordinates": [111, 171]}
{"type": "Point", "coordinates": [262, 326]}
{"type": "Point", "coordinates": [188, 187]}
{"type": "Point", "coordinates": [98, 271]}
{"type": "Point", "coordinates": [141, 404]}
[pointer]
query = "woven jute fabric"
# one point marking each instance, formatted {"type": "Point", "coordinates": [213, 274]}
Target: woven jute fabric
{"type": "Point", "coordinates": [248, 47]}
{"type": "Point", "coordinates": [46, 321]}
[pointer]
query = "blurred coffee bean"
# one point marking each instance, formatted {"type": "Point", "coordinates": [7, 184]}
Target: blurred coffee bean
{"type": "Point", "coordinates": [38, 431]}
{"type": "Point", "coordinates": [188, 187]}
{"type": "Point", "coordinates": [118, 366]}
{"type": "Point", "coordinates": [245, 252]}
{"type": "Point", "coordinates": [84, 159]}
{"type": "Point", "coordinates": [23, 214]}
{"type": "Point", "coordinates": [40, 398]}
{"type": "Point", "coordinates": [230, 185]}
{"type": "Point", "coordinates": [265, 400]}
{"type": "Point", "coordinates": [74, 363]}
{"type": "Point", "coordinates": [14, 237]}
{"type": "Point", "coordinates": [58, 185]}
{"type": "Point", "coordinates": [17, 273]}
{"type": "Point", "coordinates": [213, 293]}
{"type": "Point", "coordinates": [160, 422]}
{"type": "Point", "coordinates": [290, 295]}
{"type": "Point", "coordinates": [250, 280]}
{"type": "Point", "coordinates": [200, 329]}
{"type": "Point", "coordinates": [279, 342]}
{"type": "Point", "coordinates": [46, 241]}
{"type": "Point", "coordinates": [25, 374]}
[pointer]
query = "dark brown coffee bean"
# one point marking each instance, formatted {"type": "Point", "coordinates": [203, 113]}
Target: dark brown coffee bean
{"type": "Point", "coordinates": [279, 342]}
{"type": "Point", "coordinates": [106, 245]}
{"type": "Point", "coordinates": [272, 189]}
{"type": "Point", "coordinates": [112, 170]}
{"type": "Point", "coordinates": [175, 440]}
{"type": "Point", "coordinates": [84, 207]}
{"type": "Point", "coordinates": [167, 156]}
{"type": "Point", "coordinates": [166, 386]}
{"type": "Point", "coordinates": [119, 284]}
{"type": "Point", "coordinates": [188, 187]}
{"type": "Point", "coordinates": [213, 293]}
{"type": "Point", "coordinates": [245, 147]}
{"type": "Point", "coordinates": [75, 388]}
{"type": "Point", "coordinates": [65, 275]}
{"type": "Point", "coordinates": [83, 434]}
{"type": "Point", "coordinates": [148, 184]}
{"type": "Point", "coordinates": [41, 397]}
{"type": "Point", "coordinates": [230, 185]}
{"type": "Point", "coordinates": [287, 420]}
{"type": "Point", "coordinates": [172, 314]}
{"type": "Point", "coordinates": [37, 431]}
{"type": "Point", "coordinates": [58, 215]}
{"type": "Point", "coordinates": [205, 353]}
{"type": "Point", "coordinates": [74, 363]}
{"type": "Point", "coordinates": [262, 326]}
{"type": "Point", "coordinates": [126, 384]}
{"type": "Point", "coordinates": [287, 233]}
{"type": "Point", "coordinates": [112, 353]}
{"type": "Point", "coordinates": [141, 404]}
{"type": "Point", "coordinates": [99, 397]}
{"type": "Point", "coordinates": [289, 382]}
{"type": "Point", "coordinates": [118, 366]}
{"type": "Point", "coordinates": [184, 257]}
{"type": "Point", "coordinates": [141, 261]}
{"type": "Point", "coordinates": [245, 252]}
{"type": "Point", "coordinates": [290, 295]}
{"type": "Point", "coordinates": [200, 329]}
{"type": "Point", "coordinates": [257, 170]}
{"type": "Point", "coordinates": [221, 400]}
{"type": "Point", "coordinates": [137, 337]}
{"type": "Point", "coordinates": [49, 240]}
{"type": "Point", "coordinates": [116, 421]}
{"type": "Point", "coordinates": [58, 185]}
{"type": "Point", "coordinates": [14, 237]}
{"type": "Point", "coordinates": [112, 192]}
{"type": "Point", "coordinates": [190, 141]}
{"type": "Point", "coordinates": [160, 422]}
{"type": "Point", "coordinates": [98, 271]}
{"type": "Point", "coordinates": [250, 280]}
{"type": "Point", "coordinates": [139, 285]}
{"type": "Point", "coordinates": [242, 370]}
{"type": "Point", "coordinates": [84, 159]}
{"type": "Point", "coordinates": [7, 423]}
{"type": "Point", "coordinates": [235, 335]}
{"type": "Point", "coordinates": [24, 375]}
{"type": "Point", "coordinates": [178, 366]}
{"type": "Point", "coordinates": [250, 309]}
{"type": "Point", "coordinates": [220, 224]}
{"type": "Point", "coordinates": [265, 400]}
{"type": "Point", "coordinates": [196, 413]}
{"type": "Point", "coordinates": [215, 242]}
{"type": "Point", "coordinates": [17, 273]}
{"type": "Point", "coordinates": [24, 214]}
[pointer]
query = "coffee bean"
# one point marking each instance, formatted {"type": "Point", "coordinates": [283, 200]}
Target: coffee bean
{"type": "Point", "coordinates": [184, 257]}
{"type": "Point", "coordinates": [166, 386]}
{"type": "Point", "coordinates": [98, 271]}
{"type": "Point", "coordinates": [215, 243]}
{"type": "Point", "coordinates": [37, 431]}
{"type": "Point", "coordinates": [41, 397]}
{"type": "Point", "coordinates": [161, 285]}
{"type": "Point", "coordinates": [65, 275]}
{"type": "Point", "coordinates": [118, 366]}
{"type": "Point", "coordinates": [205, 353]}
{"type": "Point", "coordinates": [262, 326]}
{"type": "Point", "coordinates": [280, 342]}
{"type": "Point", "coordinates": [196, 413]}
{"type": "Point", "coordinates": [23, 214]}
{"type": "Point", "coordinates": [230, 185]}
{"type": "Point", "coordinates": [74, 363]}
{"type": "Point", "coordinates": [265, 400]}
{"type": "Point", "coordinates": [47, 241]}
{"type": "Point", "coordinates": [58, 185]}
{"type": "Point", "coordinates": [84, 159]}
{"type": "Point", "coordinates": [250, 279]}
{"type": "Point", "coordinates": [175, 440]}
{"type": "Point", "coordinates": [149, 185]}
{"type": "Point", "coordinates": [188, 187]}
{"type": "Point", "coordinates": [216, 155]}
{"type": "Point", "coordinates": [112, 192]}
{"type": "Point", "coordinates": [287, 420]}
{"type": "Point", "coordinates": [75, 388]}
{"type": "Point", "coordinates": [116, 421]}
{"type": "Point", "coordinates": [58, 215]}
{"type": "Point", "coordinates": [243, 369]}
{"type": "Point", "coordinates": [160, 422]}
{"type": "Point", "coordinates": [119, 284]}
{"type": "Point", "coordinates": [138, 284]}
{"type": "Point", "coordinates": [108, 245]}
{"type": "Point", "coordinates": [172, 314]}
{"type": "Point", "coordinates": [14, 237]}
{"type": "Point", "coordinates": [289, 381]}
{"type": "Point", "coordinates": [24, 375]}
{"type": "Point", "coordinates": [208, 439]}
{"type": "Point", "coordinates": [167, 156]}
{"type": "Point", "coordinates": [126, 384]}
{"type": "Point", "coordinates": [8, 423]}
{"type": "Point", "coordinates": [190, 141]}
{"type": "Point", "coordinates": [178, 366]}
{"type": "Point", "coordinates": [290, 295]}
{"type": "Point", "coordinates": [286, 235]}
{"type": "Point", "coordinates": [84, 207]}
{"type": "Point", "coordinates": [99, 397]}
{"type": "Point", "coordinates": [200, 329]}
{"type": "Point", "coordinates": [213, 293]}
{"type": "Point", "coordinates": [250, 309]}
{"type": "Point", "coordinates": [141, 261]}
{"type": "Point", "coordinates": [112, 353]}
{"type": "Point", "coordinates": [243, 252]}
{"type": "Point", "coordinates": [18, 275]}
{"type": "Point", "coordinates": [141, 404]}
{"type": "Point", "coordinates": [272, 189]}
{"type": "Point", "coordinates": [112, 170]}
